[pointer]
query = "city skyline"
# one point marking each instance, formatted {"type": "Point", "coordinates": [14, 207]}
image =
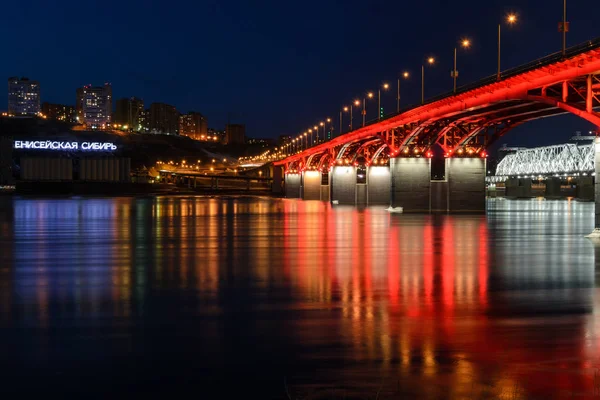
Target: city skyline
{"type": "Point", "coordinates": [260, 66]}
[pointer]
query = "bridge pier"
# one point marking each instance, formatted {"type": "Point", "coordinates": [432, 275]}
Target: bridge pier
{"type": "Point", "coordinates": [378, 185]}
{"type": "Point", "coordinates": [277, 186]}
{"type": "Point", "coordinates": [585, 188]}
{"type": "Point", "coordinates": [311, 185]}
{"type": "Point", "coordinates": [343, 184]}
{"type": "Point", "coordinates": [292, 185]}
{"type": "Point", "coordinates": [466, 184]}
{"type": "Point", "coordinates": [596, 233]}
{"type": "Point", "coordinates": [410, 184]}
{"type": "Point", "coordinates": [552, 190]}
{"type": "Point", "coordinates": [325, 185]}
{"type": "Point", "coordinates": [518, 188]}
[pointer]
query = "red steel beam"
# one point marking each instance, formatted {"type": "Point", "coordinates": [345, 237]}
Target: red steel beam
{"type": "Point", "coordinates": [513, 88]}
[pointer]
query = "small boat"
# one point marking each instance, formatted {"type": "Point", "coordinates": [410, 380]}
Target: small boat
{"type": "Point", "coordinates": [395, 209]}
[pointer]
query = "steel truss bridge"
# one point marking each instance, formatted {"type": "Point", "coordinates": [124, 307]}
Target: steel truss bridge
{"type": "Point", "coordinates": [560, 160]}
{"type": "Point", "coordinates": [465, 123]}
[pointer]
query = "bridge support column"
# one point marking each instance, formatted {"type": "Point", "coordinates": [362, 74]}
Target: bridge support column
{"type": "Point", "coordinates": [410, 184]}
{"type": "Point", "coordinates": [277, 186]}
{"type": "Point", "coordinates": [466, 184]}
{"type": "Point", "coordinates": [378, 185]}
{"type": "Point", "coordinates": [343, 184]}
{"type": "Point", "coordinates": [325, 185]}
{"type": "Point", "coordinates": [292, 186]}
{"type": "Point", "coordinates": [311, 185]}
{"type": "Point", "coordinates": [585, 188]}
{"type": "Point", "coordinates": [517, 188]}
{"type": "Point", "coordinates": [552, 188]}
{"type": "Point", "coordinates": [596, 233]}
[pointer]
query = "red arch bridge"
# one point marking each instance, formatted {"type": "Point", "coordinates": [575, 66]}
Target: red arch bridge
{"type": "Point", "coordinates": [388, 161]}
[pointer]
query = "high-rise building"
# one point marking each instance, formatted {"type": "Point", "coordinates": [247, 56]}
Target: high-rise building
{"type": "Point", "coordinates": [235, 134]}
{"type": "Point", "coordinates": [145, 120]}
{"type": "Point", "coordinates": [164, 118]}
{"type": "Point", "coordinates": [129, 112]}
{"type": "Point", "coordinates": [23, 96]}
{"type": "Point", "coordinates": [194, 125]}
{"type": "Point", "coordinates": [94, 106]}
{"type": "Point", "coordinates": [59, 112]}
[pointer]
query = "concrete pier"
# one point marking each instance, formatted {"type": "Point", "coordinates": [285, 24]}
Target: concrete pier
{"type": "Point", "coordinates": [378, 185]}
{"type": "Point", "coordinates": [292, 186]}
{"type": "Point", "coordinates": [518, 188]}
{"type": "Point", "coordinates": [342, 180]}
{"type": "Point", "coordinates": [410, 184]}
{"type": "Point", "coordinates": [596, 233]}
{"type": "Point", "coordinates": [552, 191]}
{"type": "Point", "coordinates": [466, 184]}
{"type": "Point", "coordinates": [585, 188]}
{"type": "Point", "coordinates": [311, 185]}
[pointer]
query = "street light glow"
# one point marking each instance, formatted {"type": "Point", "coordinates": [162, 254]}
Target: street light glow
{"type": "Point", "coordinates": [321, 123]}
{"type": "Point", "coordinates": [405, 74]}
{"type": "Point", "coordinates": [466, 43]}
{"type": "Point", "coordinates": [385, 85]}
{"type": "Point", "coordinates": [346, 109]}
{"type": "Point", "coordinates": [511, 18]}
{"type": "Point", "coordinates": [370, 95]}
{"type": "Point", "coordinates": [430, 60]}
{"type": "Point", "coordinates": [356, 103]}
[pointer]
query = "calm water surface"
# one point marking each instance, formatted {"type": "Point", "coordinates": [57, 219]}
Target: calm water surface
{"type": "Point", "coordinates": [252, 297]}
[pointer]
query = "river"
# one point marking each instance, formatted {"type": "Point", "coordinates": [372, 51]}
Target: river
{"type": "Point", "coordinates": [257, 297]}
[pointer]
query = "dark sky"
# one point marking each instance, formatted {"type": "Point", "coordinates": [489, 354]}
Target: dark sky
{"type": "Point", "coordinates": [279, 66]}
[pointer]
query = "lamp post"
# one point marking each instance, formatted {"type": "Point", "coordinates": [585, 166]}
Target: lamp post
{"type": "Point", "coordinates": [564, 28]}
{"type": "Point", "coordinates": [364, 110]}
{"type": "Point", "coordinates": [405, 76]}
{"type": "Point", "coordinates": [311, 137]}
{"type": "Point", "coordinates": [316, 128]}
{"type": "Point", "coordinates": [341, 112]}
{"type": "Point", "coordinates": [328, 120]}
{"type": "Point", "coordinates": [510, 19]}
{"type": "Point", "coordinates": [323, 125]}
{"type": "Point", "coordinates": [306, 140]}
{"type": "Point", "coordinates": [357, 104]}
{"type": "Point", "coordinates": [430, 61]}
{"type": "Point", "coordinates": [385, 87]}
{"type": "Point", "coordinates": [465, 43]}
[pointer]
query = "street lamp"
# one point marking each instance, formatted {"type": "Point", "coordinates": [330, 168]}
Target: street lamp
{"type": "Point", "coordinates": [404, 75]}
{"type": "Point", "coordinates": [465, 44]}
{"type": "Point", "coordinates": [311, 137]}
{"type": "Point", "coordinates": [344, 109]}
{"type": "Point", "coordinates": [385, 86]}
{"type": "Point", "coordinates": [564, 28]}
{"type": "Point", "coordinates": [324, 134]}
{"type": "Point", "coordinates": [510, 19]}
{"type": "Point", "coordinates": [323, 125]}
{"type": "Point", "coordinates": [364, 110]}
{"type": "Point", "coordinates": [430, 61]}
{"type": "Point", "coordinates": [306, 139]}
{"type": "Point", "coordinates": [316, 128]}
{"type": "Point", "coordinates": [357, 104]}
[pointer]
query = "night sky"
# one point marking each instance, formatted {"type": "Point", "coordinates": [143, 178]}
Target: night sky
{"type": "Point", "coordinates": [280, 66]}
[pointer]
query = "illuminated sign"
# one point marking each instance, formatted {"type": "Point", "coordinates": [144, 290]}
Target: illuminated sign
{"type": "Point", "coordinates": [56, 145]}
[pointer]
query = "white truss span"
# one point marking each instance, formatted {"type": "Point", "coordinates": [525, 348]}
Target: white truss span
{"type": "Point", "coordinates": [563, 159]}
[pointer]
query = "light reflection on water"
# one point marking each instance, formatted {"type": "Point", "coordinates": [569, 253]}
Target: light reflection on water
{"type": "Point", "coordinates": [153, 294]}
